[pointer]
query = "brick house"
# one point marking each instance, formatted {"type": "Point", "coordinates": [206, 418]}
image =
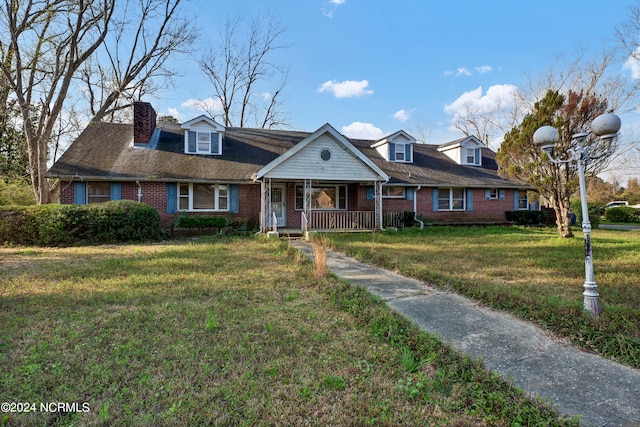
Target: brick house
{"type": "Point", "coordinates": [297, 180]}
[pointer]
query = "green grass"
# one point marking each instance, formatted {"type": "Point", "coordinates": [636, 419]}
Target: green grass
{"type": "Point", "coordinates": [530, 272]}
{"type": "Point", "coordinates": [225, 332]}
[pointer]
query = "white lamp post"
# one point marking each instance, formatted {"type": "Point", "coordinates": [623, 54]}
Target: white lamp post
{"type": "Point", "coordinates": [604, 128]}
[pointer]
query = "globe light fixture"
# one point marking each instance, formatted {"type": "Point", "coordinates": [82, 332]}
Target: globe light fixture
{"type": "Point", "coordinates": [604, 129]}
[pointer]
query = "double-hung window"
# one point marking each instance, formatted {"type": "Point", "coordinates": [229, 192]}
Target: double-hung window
{"type": "Point", "coordinates": [203, 197]}
{"type": "Point", "coordinates": [98, 191]}
{"type": "Point", "coordinates": [523, 200]}
{"type": "Point", "coordinates": [393, 192]}
{"type": "Point", "coordinates": [451, 199]}
{"type": "Point", "coordinates": [203, 142]}
{"type": "Point", "coordinates": [323, 197]}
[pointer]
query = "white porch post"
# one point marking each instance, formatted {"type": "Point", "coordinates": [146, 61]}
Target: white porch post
{"type": "Point", "coordinates": [265, 203]}
{"type": "Point", "coordinates": [378, 205]}
{"type": "Point", "coordinates": [307, 200]}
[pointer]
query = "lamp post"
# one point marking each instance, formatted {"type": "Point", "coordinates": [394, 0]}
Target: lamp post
{"type": "Point", "coordinates": [603, 128]}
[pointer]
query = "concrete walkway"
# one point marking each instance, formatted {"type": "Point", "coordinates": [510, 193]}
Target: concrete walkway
{"type": "Point", "coordinates": [602, 392]}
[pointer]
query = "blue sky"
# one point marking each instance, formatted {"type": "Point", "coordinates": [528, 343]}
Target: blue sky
{"type": "Point", "coordinates": [372, 67]}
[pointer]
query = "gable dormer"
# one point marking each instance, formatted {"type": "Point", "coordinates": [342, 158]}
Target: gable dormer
{"type": "Point", "coordinates": [397, 147]}
{"type": "Point", "coordinates": [465, 151]}
{"type": "Point", "coordinates": [203, 135]}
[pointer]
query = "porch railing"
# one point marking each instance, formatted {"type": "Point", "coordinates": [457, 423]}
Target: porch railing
{"type": "Point", "coordinates": [349, 220]}
{"type": "Point", "coordinates": [337, 220]}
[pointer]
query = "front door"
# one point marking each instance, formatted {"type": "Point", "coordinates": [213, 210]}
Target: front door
{"type": "Point", "coordinates": [278, 204]}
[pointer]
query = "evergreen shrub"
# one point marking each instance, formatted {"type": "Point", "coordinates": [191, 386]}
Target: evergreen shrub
{"type": "Point", "coordinates": [528, 217]}
{"type": "Point", "coordinates": [55, 225]}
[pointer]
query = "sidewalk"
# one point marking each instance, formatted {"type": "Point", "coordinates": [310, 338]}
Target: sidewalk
{"type": "Point", "coordinates": [602, 392]}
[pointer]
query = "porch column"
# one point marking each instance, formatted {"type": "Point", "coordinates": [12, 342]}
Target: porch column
{"type": "Point", "coordinates": [265, 199]}
{"type": "Point", "coordinates": [307, 201]}
{"type": "Point", "coordinates": [377, 185]}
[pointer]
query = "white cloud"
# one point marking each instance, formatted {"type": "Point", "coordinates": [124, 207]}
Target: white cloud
{"type": "Point", "coordinates": [173, 112]}
{"type": "Point", "coordinates": [497, 97]}
{"type": "Point", "coordinates": [402, 115]}
{"type": "Point", "coordinates": [484, 69]}
{"type": "Point", "coordinates": [346, 89]}
{"type": "Point", "coordinates": [359, 130]}
{"type": "Point", "coordinates": [209, 105]}
{"type": "Point", "coordinates": [462, 71]}
{"type": "Point", "coordinates": [633, 64]}
{"type": "Point", "coordinates": [334, 5]}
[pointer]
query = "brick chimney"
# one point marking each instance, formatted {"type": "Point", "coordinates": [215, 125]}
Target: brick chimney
{"type": "Point", "coordinates": [144, 122]}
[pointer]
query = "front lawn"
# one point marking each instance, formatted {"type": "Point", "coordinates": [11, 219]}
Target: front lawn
{"type": "Point", "coordinates": [530, 272]}
{"type": "Point", "coordinates": [223, 332]}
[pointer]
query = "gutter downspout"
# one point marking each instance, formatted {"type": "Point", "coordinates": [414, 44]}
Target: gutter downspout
{"type": "Point", "coordinates": [415, 207]}
{"type": "Point", "coordinates": [139, 190]}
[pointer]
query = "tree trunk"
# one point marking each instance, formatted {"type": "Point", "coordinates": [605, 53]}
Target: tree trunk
{"type": "Point", "coordinates": [562, 219]}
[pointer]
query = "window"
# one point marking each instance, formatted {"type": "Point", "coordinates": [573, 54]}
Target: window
{"type": "Point", "coordinates": [323, 197]}
{"type": "Point", "coordinates": [203, 197]}
{"type": "Point", "coordinates": [203, 142]}
{"type": "Point", "coordinates": [471, 156]}
{"type": "Point", "coordinates": [393, 192]}
{"type": "Point", "coordinates": [451, 199]}
{"type": "Point", "coordinates": [399, 152]}
{"type": "Point", "coordinates": [493, 193]}
{"type": "Point", "coordinates": [98, 192]}
{"type": "Point", "coordinates": [523, 200]}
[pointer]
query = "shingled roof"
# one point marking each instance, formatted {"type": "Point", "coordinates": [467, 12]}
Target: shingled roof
{"type": "Point", "coordinates": [105, 151]}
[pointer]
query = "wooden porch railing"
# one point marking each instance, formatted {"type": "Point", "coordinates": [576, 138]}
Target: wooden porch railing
{"type": "Point", "coordinates": [350, 220]}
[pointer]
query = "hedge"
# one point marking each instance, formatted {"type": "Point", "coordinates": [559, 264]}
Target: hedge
{"type": "Point", "coordinates": [622, 214]}
{"type": "Point", "coordinates": [56, 225]}
{"type": "Point", "coordinates": [528, 217]}
{"type": "Point", "coordinates": [201, 222]}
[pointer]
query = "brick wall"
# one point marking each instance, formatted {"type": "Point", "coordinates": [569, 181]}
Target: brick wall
{"type": "Point", "coordinates": [144, 122]}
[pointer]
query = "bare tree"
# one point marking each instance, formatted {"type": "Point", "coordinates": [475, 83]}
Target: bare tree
{"type": "Point", "coordinates": [137, 47]}
{"type": "Point", "coordinates": [45, 48]}
{"type": "Point", "coordinates": [238, 67]}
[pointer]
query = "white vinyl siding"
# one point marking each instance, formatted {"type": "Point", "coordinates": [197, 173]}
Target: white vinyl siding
{"type": "Point", "coordinates": [308, 163]}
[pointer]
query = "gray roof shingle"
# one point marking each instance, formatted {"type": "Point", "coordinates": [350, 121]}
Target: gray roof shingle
{"type": "Point", "coordinates": [105, 151]}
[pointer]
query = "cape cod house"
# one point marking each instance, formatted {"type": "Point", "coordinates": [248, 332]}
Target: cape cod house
{"type": "Point", "coordinates": [298, 180]}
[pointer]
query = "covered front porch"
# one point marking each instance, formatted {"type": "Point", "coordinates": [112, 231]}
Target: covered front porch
{"type": "Point", "coordinates": [301, 206]}
{"type": "Point", "coordinates": [323, 183]}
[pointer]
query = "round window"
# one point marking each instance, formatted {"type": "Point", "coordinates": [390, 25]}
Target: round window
{"type": "Point", "coordinates": [325, 155]}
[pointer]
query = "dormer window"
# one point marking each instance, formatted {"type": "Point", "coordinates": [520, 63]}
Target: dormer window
{"type": "Point", "coordinates": [473, 156]}
{"type": "Point", "coordinates": [203, 143]}
{"type": "Point", "coordinates": [397, 147]}
{"type": "Point", "coordinates": [203, 135]}
{"type": "Point", "coordinates": [465, 151]}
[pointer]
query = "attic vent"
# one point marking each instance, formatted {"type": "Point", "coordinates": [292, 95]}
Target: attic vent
{"type": "Point", "coordinates": [325, 155]}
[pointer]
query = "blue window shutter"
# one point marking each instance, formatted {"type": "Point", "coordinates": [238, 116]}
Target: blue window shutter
{"type": "Point", "coordinates": [172, 197]}
{"type": "Point", "coordinates": [434, 196]}
{"type": "Point", "coordinates": [410, 193]}
{"type": "Point", "coordinates": [487, 194]}
{"type": "Point", "coordinates": [80, 193]}
{"type": "Point", "coordinates": [215, 144]}
{"type": "Point", "coordinates": [515, 199]}
{"type": "Point", "coordinates": [407, 153]}
{"type": "Point", "coordinates": [191, 146]}
{"type": "Point", "coordinates": [392, 152]}
{"type": "Point", "coordinates": [478, 158]}
{"type": "Point", "coordinates": [501, 194]}
{"type": "Point", "coordinates": [116, 191]}
{"type": "Point", "coordinates": [469, 199]}
{"type": "Point", "coordinates": [233, 198]}
{"type": "Point", "coordinates": [371, 193]}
